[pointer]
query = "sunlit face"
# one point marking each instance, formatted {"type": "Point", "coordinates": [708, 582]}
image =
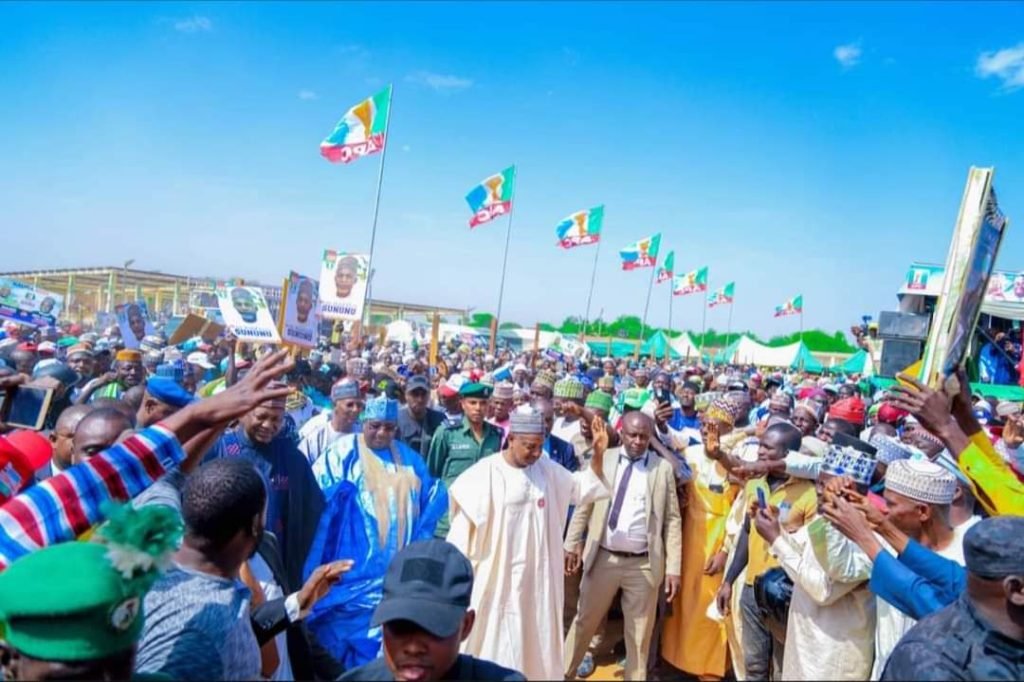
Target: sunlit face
{"type": "Point", "coordinates": [130, 373]}
{"type": "Point", "coordinates": [636, 434]}
{"type": "Point", "coordinates": [525, 449]}
{"type": "Point", "coordinates": [378, 433]}
{"type": "Point", "coordinates": [501, 407]}
{"type": "Point", "coordinates": [346, 414]}
{"type": "Point", "coordinates": [83, 364]}
{"type": "Point", "coordinates": [474, 409]}
{"type": "Point", "coordinates": [804, 421]}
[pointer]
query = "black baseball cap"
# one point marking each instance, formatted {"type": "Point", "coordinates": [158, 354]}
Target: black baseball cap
{"type": "Point", "coordinates": [417, 382]}
{"type": "Point", "coordinates": [428, 583]}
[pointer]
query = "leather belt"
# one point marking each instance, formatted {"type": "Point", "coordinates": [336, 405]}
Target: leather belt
{"type": "Point", "coordinates": [627, 555]}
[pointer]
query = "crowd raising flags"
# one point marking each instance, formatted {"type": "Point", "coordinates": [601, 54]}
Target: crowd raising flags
{"type": "Point", "coordinates": [363, 131]}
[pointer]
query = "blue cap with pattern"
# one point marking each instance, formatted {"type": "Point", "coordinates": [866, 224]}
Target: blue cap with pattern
{"type": "Point", "coordinates": [380, 409]}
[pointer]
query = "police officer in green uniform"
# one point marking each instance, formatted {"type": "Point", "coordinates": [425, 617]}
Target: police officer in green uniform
{"type": "Point", "coordinates": [455, 448]}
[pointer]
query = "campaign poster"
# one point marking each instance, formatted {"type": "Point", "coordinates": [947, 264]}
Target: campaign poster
{"type": "Point", "coordinates": [246, 314]}
{"type": "Point", "coordinates": [300, 311]}
{"type": "Point", "coordinates": [134, 323]}
{"type": "Point", "coordinates": [343, 278]}
{"type": "Point", "coordinates": [25, 304]}
{"type": "Point", "coordinates": [972, 254]}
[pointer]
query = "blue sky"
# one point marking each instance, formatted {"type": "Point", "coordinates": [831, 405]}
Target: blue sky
{"type": "Point", "coordinates": [793, 148]}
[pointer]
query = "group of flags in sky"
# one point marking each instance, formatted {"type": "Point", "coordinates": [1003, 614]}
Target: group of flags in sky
{"type": "Point", "coordinates": [362, 130]}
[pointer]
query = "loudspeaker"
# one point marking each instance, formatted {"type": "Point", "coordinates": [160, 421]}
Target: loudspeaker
{"type": "Point", "coordinates": [897, 355]}
{"type": "Point", "coordinates": [892, 325]}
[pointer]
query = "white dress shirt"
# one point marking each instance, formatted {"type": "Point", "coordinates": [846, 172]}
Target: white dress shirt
{"type": "Point", "coordinates": [630, 533]}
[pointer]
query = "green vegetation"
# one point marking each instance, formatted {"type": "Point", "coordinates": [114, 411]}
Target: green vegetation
{"type": "Point", "coordinates": [628, 327]}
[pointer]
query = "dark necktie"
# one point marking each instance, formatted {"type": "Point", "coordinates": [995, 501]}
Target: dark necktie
{"type": "Point", "coordinates": [620, 494]}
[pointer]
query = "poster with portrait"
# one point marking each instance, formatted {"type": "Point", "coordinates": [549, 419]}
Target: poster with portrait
{"type": "Point", "coordinates": [134, 323]}
{"type": "Point", "coordinates": [25, 304]}
{"type": "Point", "coordinates": [343, 278]}
{"type": "Point", "coordinates": [246, 314]}
{"type": "Point", "coordinates": [972, 254]}
{"type": "Point", "coordinates": [300, 312]}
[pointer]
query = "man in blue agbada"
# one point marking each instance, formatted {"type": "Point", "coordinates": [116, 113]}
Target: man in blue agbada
{"type": "Point", "coordinates": [380, 497]}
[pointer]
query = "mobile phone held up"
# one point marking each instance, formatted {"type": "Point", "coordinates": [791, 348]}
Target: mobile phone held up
{"type": "Point", "coordinates": [762, 503]}
{"type": "Point", "coordinates": [26, 407]}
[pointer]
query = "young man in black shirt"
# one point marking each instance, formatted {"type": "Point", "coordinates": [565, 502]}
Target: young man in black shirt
{"type": "Point", "coordinates": [425, 615]}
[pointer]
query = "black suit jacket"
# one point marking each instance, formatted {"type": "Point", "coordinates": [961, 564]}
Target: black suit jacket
{"type": "Point", "coordinates": [309, 660]}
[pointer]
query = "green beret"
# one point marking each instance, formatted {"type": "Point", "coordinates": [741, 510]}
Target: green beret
{"type": "Point", "coordinates": [475, 390]}
{"type": "Point", "coordinates": [80, 601]}
{"type": "Point", "coordinates": [599, 400]}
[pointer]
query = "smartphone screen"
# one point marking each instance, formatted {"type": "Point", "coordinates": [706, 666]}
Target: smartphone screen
{"type": "Point", "coordinates": [761, 501]}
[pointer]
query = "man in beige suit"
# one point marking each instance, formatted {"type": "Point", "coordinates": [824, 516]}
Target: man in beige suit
{"type": "Point", "coordinates": [634, 542]}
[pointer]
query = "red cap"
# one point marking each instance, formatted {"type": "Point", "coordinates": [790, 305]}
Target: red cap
{"type": "Point", "coordinates": [30, 347]}
{"type": "Point", "coordinates": [850, 410]}
{"type": "Point", "coordinates": [21, 454]}
{"type": "Point", "coordinates": [890, 414]}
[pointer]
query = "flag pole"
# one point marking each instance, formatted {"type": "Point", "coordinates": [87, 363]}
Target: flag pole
{"type": "Point", "coordinates": [504, 260]}
{"type": "Point", "coordinates": [643, 324]}
{"type": "Point", "coordinates": [703, 328]}
{"type": "Point", "coordinates": [376, 208]}
{"type": "Point", "coordinates": [728, 327]}
{"type": "Point", "coordinates": [671, 296]}
{"type": "Point", "coordinates": [590, 294]}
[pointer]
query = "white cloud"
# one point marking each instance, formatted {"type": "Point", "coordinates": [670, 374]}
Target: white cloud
{"type": "Point", "coordinates": [307, 95]}
{"type": "Point", "coordinates": [440, 82]}
{"type": "Point", "coordinates": [1007, 65]}
{"type": "Point", "coordinates": [196, 24]}
{"type": "Point", "coordinates": [847, 55]}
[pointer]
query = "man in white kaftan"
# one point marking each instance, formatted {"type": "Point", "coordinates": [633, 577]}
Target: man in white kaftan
{"type": "Point", "coordinates": [508, 514]}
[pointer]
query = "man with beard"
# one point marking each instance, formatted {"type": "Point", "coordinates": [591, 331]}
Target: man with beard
{"type": "Point", "coordinates": [294, 501]}
{"type": "Point", "coordinates": [128, 373]}
{"type": "Point", "coordinates": [417, 421]}
{"type": "Point", "coordinates": [318, 434]}
{"type": "Point", "coordinates": [380, 498]}
{"type": "Point", "coordinates": [510, 510]}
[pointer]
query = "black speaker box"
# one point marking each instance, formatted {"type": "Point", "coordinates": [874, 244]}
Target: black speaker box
{"type": "Point", "coordinates": [897, 355]}
{"type": "Point", "coordinates": [893, 325]}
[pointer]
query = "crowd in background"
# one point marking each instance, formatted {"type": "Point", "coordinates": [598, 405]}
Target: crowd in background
{"type": "Point", "coordinates": [217, 510]}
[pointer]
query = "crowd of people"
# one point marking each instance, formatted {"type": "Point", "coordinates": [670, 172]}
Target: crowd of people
{"type": "Point", "coordinates": [216, 510]}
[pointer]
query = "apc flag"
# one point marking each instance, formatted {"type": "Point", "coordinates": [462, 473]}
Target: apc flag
{"type": "Point", "coordinates": [361, 131]}
{"type": "Point", "coordinates": [794, 306]}
{"type": "Point", "coordinates": [665, 271]}
{"type": "Point", "coordinates": [492, 197]}
{"type": "Point", "coordinates": [723, 296]}
{"type": "Point", "coordinates": [691, 283]}
{"type": "Point", "coordinates": [582, 227]}
{"type": "Point", "coordinates": [642, 254]}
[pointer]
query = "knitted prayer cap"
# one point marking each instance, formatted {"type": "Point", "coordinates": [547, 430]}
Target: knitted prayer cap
{"type": "Point", "coordinates": [599, 400]}
{"type": "Point", "coordinates": [380, 409]}
{"type": "Point", "coordinates": [921, 480]}
{"type": "Point", "coordinates": [346, 389]}
{"type": "Point", "coordinates": [526, 420]}
{"type": "Point", "coordinates": [892, 450]}
{"type": "Point", "coordinates": [848, 461]}
{"type": "Point", "coordinates": [607, 381]}
{"type": "Point", "coordinates": [723, 410]}
{"type": "Point", "coordinates": [503, 390]}
{"type": "Point", "coordinates": [544, 378]}
{"type": "Point", "coordinates": [569, 388]}
{"type": "Point", "coordinates": [811, 407]}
